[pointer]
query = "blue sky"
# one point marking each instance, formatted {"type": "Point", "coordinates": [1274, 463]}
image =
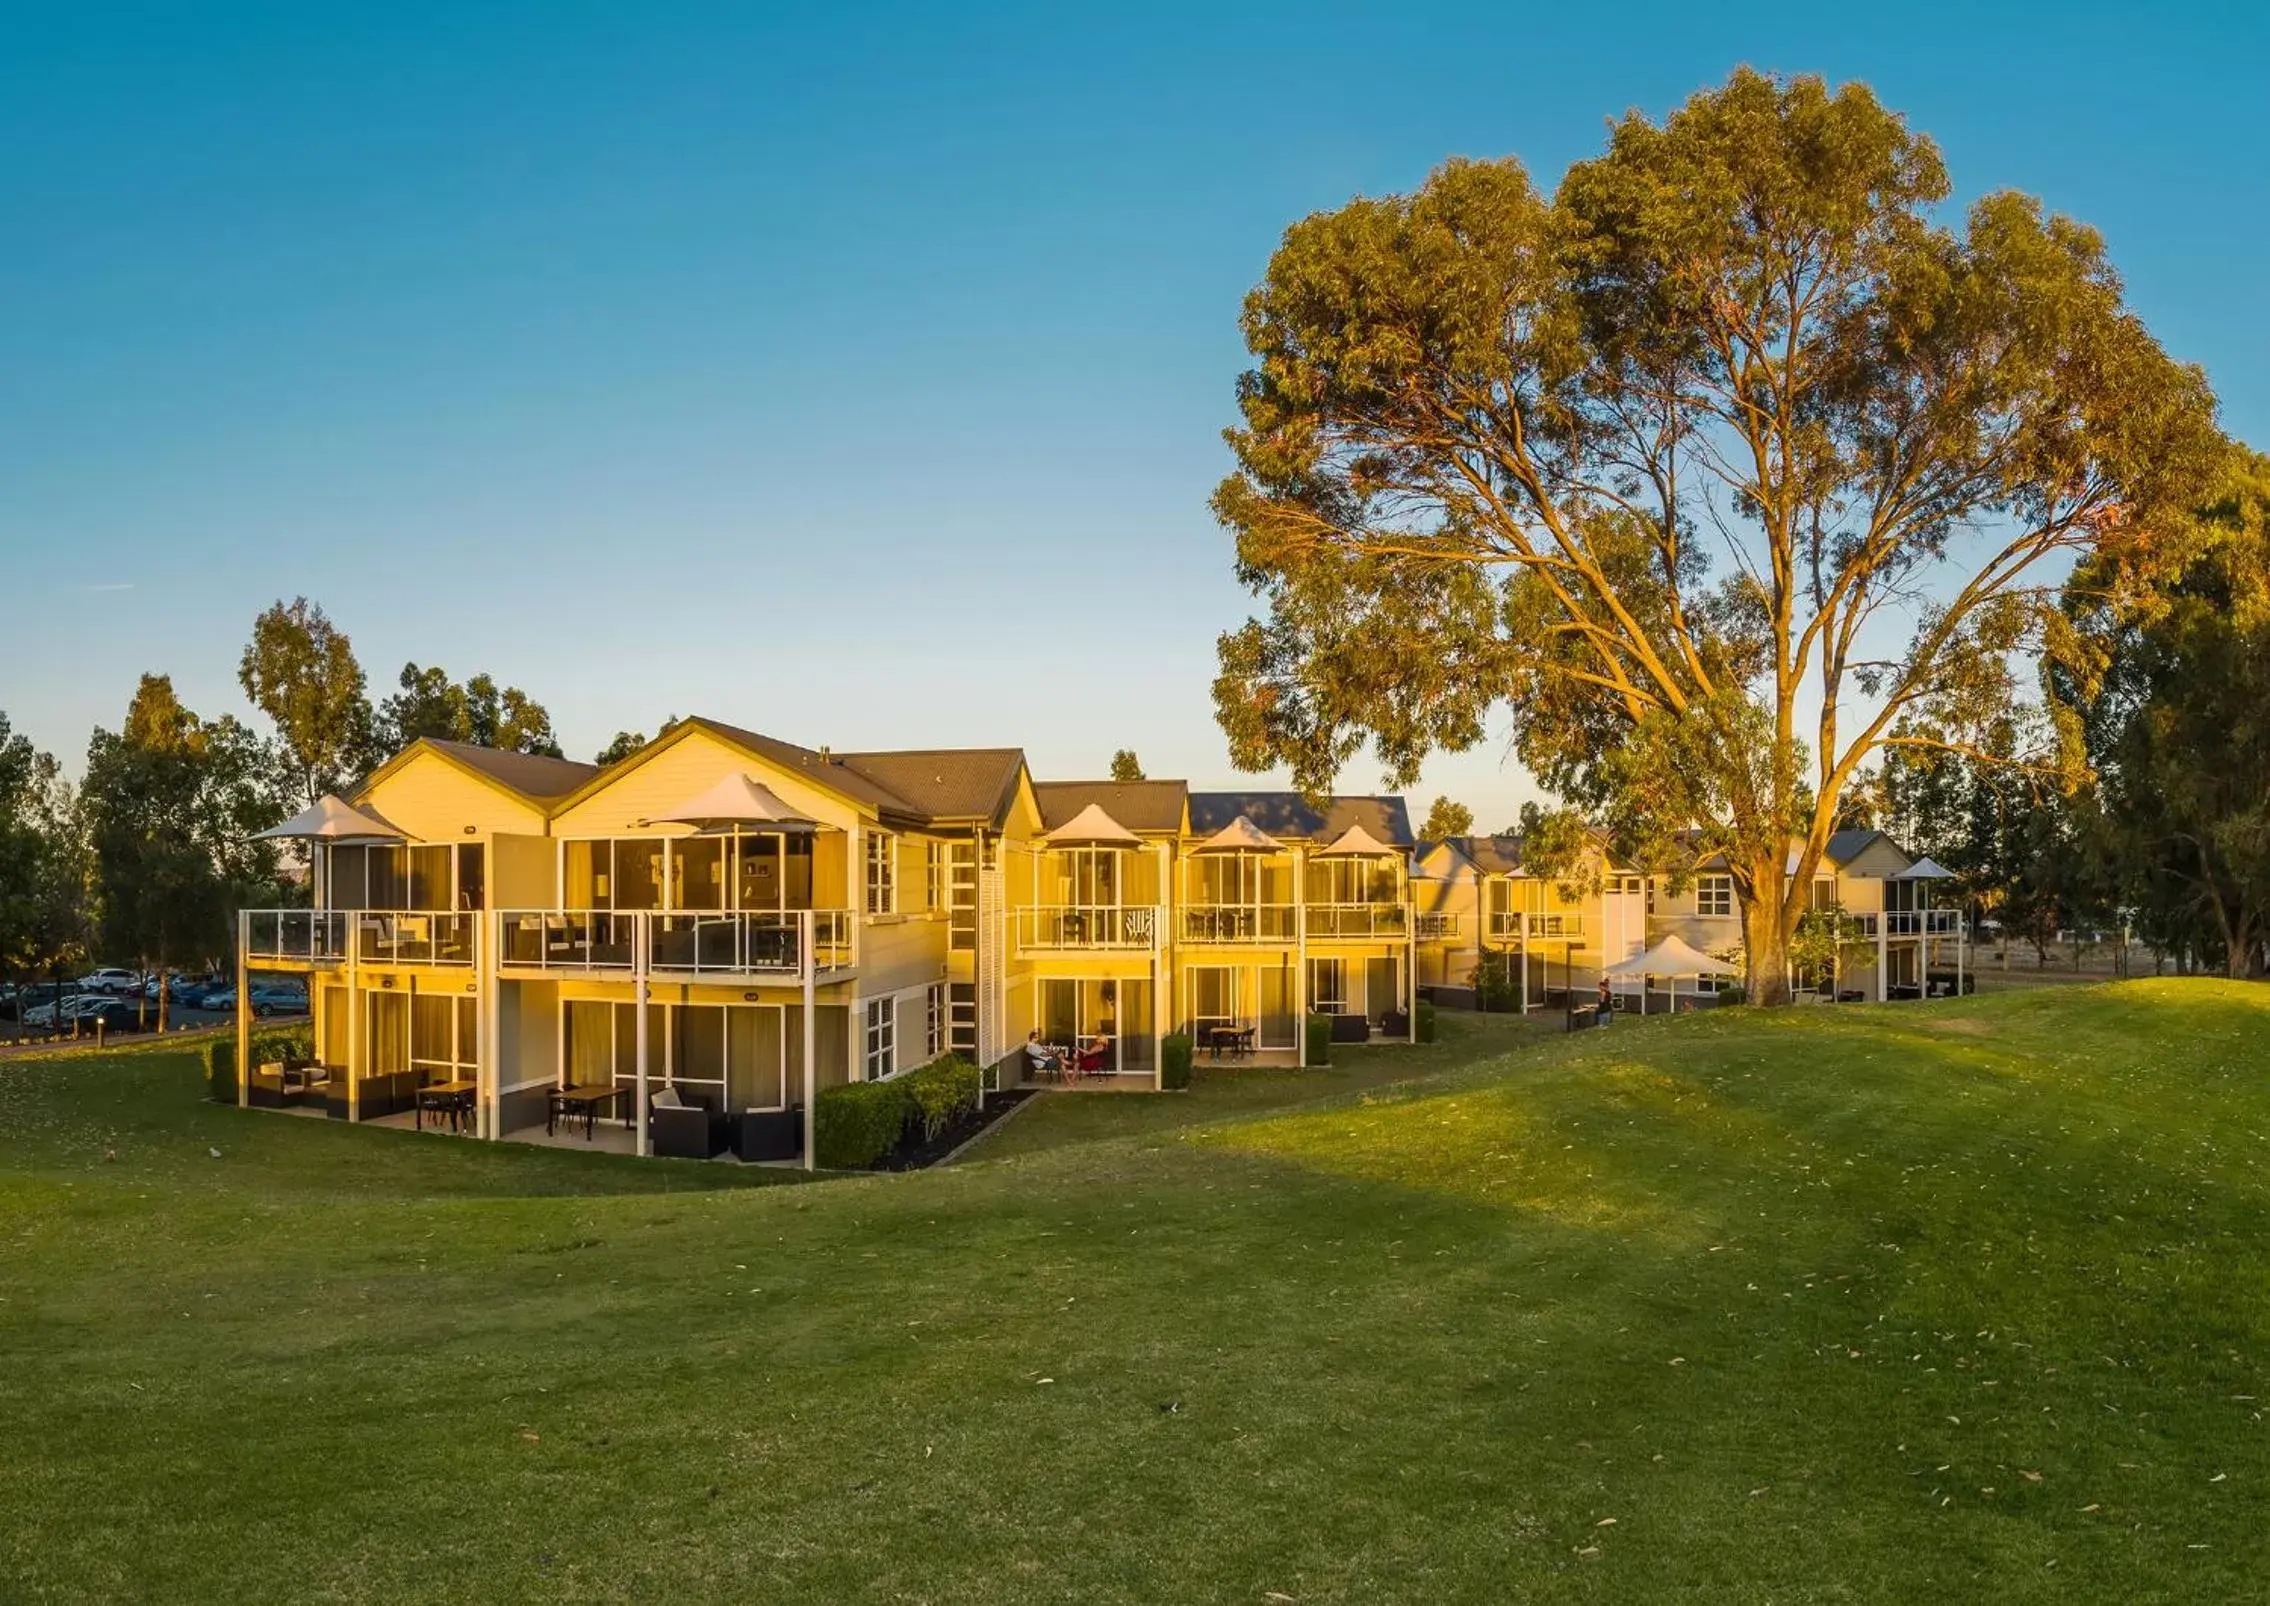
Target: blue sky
{"type": "Point", "coordinates": [855, 373]}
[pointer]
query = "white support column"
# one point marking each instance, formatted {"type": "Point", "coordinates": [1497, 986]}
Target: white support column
{"type": "Point", "coordinates": [244, 1010]}
{"type": "Point", "coordinates": [1962, 936]}
{"type": "Point", "coordinates": [638, 970]}
{"type": "Point", "coordinates": [488, 1011]}
{"type": "Point", "coordinates": [811, 1047]}
{"type": "Point", "coordinates": [1300, 960]}
{"type": "Point", "coordinates": [1883, 948]}
{"type": "Point", "coordinates": [355, 1008]}
{"type": "Point", "coordinates": [1524, 964]}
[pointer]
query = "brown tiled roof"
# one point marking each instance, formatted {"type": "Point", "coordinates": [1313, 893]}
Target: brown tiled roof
{"type": "Point", "coordinates": [1287, 816]}
{"type": "Point", "coordinates": [532, 775]}
{"type": "Point", "coordinates": [953, 783]}
{"type": "Point", "coordinates": [1492, 855]}
{"type": "Point", "coordinates": [1138, 805]}
{"type": "Point", "coordinates": [948, 784]}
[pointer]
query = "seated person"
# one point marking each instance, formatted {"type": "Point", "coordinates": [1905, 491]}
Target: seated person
{"type": "Point", "coordinates": [1096, 1053]}
{"type": "Point", "coordinates": [1039, 1057]}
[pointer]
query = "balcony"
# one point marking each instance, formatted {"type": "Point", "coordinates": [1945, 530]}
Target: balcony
{"type": "Point", "coordinates": [1439, 926]}
{"type": "Point", "coordinates": [1107, 928]}
{"type": "Point", "coordinates": [1238, 922]}
{"type": "Point", "coordinates": [679, 942]}
{"type": "Point", "coordinates": [1356, 922]}
{"type": "Point", "coordinates": [1909, 923]}
{"type": "Point", "coordinates": [1523, 925]}
{"type": "Point", "coordinates": [373, 936]}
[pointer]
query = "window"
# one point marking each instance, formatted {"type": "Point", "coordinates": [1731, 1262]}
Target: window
{"type": "Point", "coordinates": [882, 873]}
{"type": "Point", "coordinates": [1824, 892]}
{"type": "Point", "coordinates": [962, 905]}
{"type": "Point", "coordinates": [882, 1038]}
{"type": "Point", "coordinates": [1328, 986]}
{"type": "Point", "coordinates": [934, 1016]}
{"type": "Point", "coordinates": [1714, 896]}
{"type": "Point", "coordinates": [933, 875]}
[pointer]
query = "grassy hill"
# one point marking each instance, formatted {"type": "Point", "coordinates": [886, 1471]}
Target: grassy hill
{"type": "Point", "coordinates": [1927, 1302]}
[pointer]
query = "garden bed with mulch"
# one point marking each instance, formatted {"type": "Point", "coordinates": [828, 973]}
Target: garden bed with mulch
{"type": "Point", "coordinates": [916, 1153]}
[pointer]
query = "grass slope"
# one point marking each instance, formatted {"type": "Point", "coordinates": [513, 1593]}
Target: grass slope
{"type": "Point", "coordinates": [1916, 1303]}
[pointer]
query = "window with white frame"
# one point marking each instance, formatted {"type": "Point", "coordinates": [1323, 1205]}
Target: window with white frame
{"type": "Point", "coordinates": [882, 873]}
{"type": "Point", "coordinates": [1714, 896]}
{"type": "Point", "coordinates": [882, 1038]}
{"type": "Point", "coordinates": [934, 1017]}
{"type": "Point", "coordinates": [933, 875]}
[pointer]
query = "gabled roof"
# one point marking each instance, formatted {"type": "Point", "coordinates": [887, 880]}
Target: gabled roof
{"type": "Point", "coordinates": [1287, 815]}
{"type": "Point", "coordinates": [1845, 846]}
{"type": "Point", "coordinates": [948, 783]}
{"type": "Point", "coordinates": [529, 778]}
{"type": "Point", "coordinates": [1154, 806]}
{"type": "Point", "coordinates": [1493, 855]}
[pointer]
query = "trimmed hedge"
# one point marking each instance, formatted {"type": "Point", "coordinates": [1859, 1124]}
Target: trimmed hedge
{"type": "Point", "coordinates": [293, 1042]}
{"type": "Point", "coordinates": [1426, 1021]}
{"type": "Point", "coordinates": [1320, 1040]}
{"type": "Point", "coordinates": [941, 1092]}
{"type": "Point", "coordinates": [1174, 1061]}
{"type": "Point", "coordinates": [858, 1123]}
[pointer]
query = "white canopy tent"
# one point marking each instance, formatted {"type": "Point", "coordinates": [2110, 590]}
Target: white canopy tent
{"type": "Point", "coordinates": [332, 818]}
{"type": "Point", "coordinates": [1241, 835]}
{"type": "Point", "coordinates": [1356, 842]}
{"type": "Point", "coordinates": [1092, 828]}
{"type": "Point", "coordinates": [1671, 958]}
{"type": "Point", "coordinates": [738, 802]}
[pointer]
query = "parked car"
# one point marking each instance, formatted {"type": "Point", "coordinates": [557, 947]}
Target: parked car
{"type": "Point", "coordinates": [40, 994]}
{"type": "Point", "coordinates": [111, 1014]}
{"type": "Point", "coordinates": [110, 979]}
{"type": "Point", "coordinates": [61, 1011]}
{"type": "Point", "coordinates": [281, 1000]}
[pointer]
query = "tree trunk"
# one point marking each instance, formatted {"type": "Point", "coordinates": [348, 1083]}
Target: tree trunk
{"type": "Point", "coordinates": [1765, 948]}
{"type": "Point", "coordinates": [162, 1005]}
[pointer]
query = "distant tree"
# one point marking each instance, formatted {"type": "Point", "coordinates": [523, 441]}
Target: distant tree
{"type": "Point", "coordinates": [431, 704]}
{"type": "Point", "coordinates": [1447, 819]}
{"type": "Point", "coordinates": [171, 803]}
{"type": "Point", "coordinates": [1125, 766]}
{"type": "Point", "coordinates": [300, 670]}
{"type": "Point", "coordinates": [2179, 727]}
{"type": "Point", "coordinates": [628, 742]}
{"type": "Point", "coordinates": [42, 863]}
{"type": "Point", "coordinates": [1668, 463]}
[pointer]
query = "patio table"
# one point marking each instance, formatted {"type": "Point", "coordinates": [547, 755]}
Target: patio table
{"type": "Point", "coordinates": [583, 1099]}
{"type": "Point", "coordinates": [1237, 1039]}
{"type": "Point", "coordinates": [453, 1099]}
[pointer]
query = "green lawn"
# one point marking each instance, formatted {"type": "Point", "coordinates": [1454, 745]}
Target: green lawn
{"type": "Point", "coordinates": [1934, 1302]}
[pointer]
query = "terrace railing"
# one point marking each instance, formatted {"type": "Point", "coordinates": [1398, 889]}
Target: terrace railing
{"type": "Point", "coordinates": [1355, 921]}
{"type": "Point", "coordinates": [1057, 928]}
{"type": "Point", "coordinates": [296, 936]}
{"type": "Point", "coordinates": [1238, 922]}
{"type": "Point", "coordinates": [1910, 923]}
{"type": "Point", "coordinates": [742, 942]}
{"type": "Point", "coordinates": [1525, 925]}
{"type": "Point", "coordinates": [1436, 925]}
{"type": "Point", "coordinates": [414, 936]}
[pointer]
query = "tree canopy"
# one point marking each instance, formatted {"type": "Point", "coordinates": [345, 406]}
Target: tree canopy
{"type": "Point", "coordinates": [1125, 766]}
{"type": "Point", "coordinates": [1719, 469]}
{"type": "Point", "coordinates": [479, 711]}
{"type": "Point", "coordinates": [2178, 723]}
{"type": "Point", "coordinates": [300, 670]}
{"type": "Point", "coordinates": [1447, 819]}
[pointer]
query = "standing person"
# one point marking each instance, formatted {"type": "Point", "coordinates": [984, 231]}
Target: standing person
{"type": "Point", "coordinates": [1607, 1007]}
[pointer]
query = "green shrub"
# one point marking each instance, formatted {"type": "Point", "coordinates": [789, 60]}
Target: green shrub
{"type": "Point", "coordinates": [857, 1124]}
{"type": "Point", "coordinates": [1174, 1061]}
{"type": "Point", "coordinates": [941, 1092]}
{"type": "Point", "coordinates": [1320, 1039]}
{"type": "Point", "coordinates": [1426, 1020]}
{"type": "Point", "coordinates": [267, 1046]}
{"type": "Point", "coordinates": [1497, 988]}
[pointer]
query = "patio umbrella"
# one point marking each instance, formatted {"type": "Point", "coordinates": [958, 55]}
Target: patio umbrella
{"type": "Point", "coordinates": [331, 818]}
{"type": "Point", "coordinates": [1241, 835]}
{"type": "Point", "coordinates": [1670, 958]}
{"type": "Point", "coordinates": [1092, 828]}
{"type": "Point", "coordinates": [1356, 842]}
{"type": "Point", "coordinates": [737, 802]}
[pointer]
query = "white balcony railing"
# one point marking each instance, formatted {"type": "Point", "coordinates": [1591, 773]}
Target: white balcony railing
{"type": "Point", "coordinates": [1054, 928]}
{"type": "Point", "coordinates": [371, 936]}
{"type": "Point", "coordinates": [749, 941]}
{"type": "Point", "coordinates": [704, 942]}
{"type": "Point", "coordinates": [296, 936]}
{"type": "Point", "coordinates": [1355, 921]}
{"type": "Point", "coordinates": [1909, 923]}
{"type": "Point", "coordinates": [1529, 925]}
{"type": "Point", "coordinates": [1238, 922]}
{"type": "Point", "coordinates": [1437, 925]}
